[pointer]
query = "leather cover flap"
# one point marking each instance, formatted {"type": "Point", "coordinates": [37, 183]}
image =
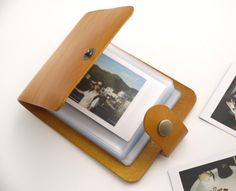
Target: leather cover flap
{"type": "Point", "coordinates": [67, 66]}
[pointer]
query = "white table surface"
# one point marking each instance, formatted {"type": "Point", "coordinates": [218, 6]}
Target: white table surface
{"type": "Point", "coordinates": [192, 41]}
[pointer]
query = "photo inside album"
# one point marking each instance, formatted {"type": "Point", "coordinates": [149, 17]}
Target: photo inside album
{"type": "Point", "coordinates": [109, 94]}
{"type": "Point", "coordinates": [114, 92]}
{"type": "Point", "coordinates": [109, 103]}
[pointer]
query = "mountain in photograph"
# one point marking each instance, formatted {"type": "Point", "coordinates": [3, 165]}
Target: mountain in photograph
{"type": "Point", "coordinates": [112, 80]}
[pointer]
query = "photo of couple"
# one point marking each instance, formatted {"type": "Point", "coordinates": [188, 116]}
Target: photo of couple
{"type": "Point", "coordinates": [90, 97]}
{"type": "Point", "coordinates": [107, 89]}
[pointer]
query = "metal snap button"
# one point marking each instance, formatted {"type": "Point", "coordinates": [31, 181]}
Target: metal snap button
{"type": "Point", "coordinates": [89, 53]}
{"type": "Point", "coordinates": [165, 127]}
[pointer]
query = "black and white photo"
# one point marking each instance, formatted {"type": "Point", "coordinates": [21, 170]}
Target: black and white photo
{"type": "Point", "coordinates": [221, 108]}
{"type": "Point", "coordinates": [215, 174]}
{"type": "Point", "coordinates": [225, 111]}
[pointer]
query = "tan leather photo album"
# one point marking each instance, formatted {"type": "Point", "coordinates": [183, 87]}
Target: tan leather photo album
{"type": "Point", "coordinates": [113, 106]}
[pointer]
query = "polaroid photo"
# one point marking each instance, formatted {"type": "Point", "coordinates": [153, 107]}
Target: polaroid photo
{"type": "Point", "coordinates": [215, 174]}
{"type": "Point", "coordinates": [116, 94]}
{"type": "Point", "coordinates": [221, 108]}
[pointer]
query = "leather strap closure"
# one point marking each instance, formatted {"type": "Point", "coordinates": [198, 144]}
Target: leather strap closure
{"type": "Point", "coordinates": [164, 127]}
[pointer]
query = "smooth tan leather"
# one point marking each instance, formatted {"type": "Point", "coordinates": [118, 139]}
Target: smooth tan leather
{"type": "Point", "coordinates": [66, 67]}
{"type": "Point", "coordinates": [154, 116]}
{"type": "Point", "coordinates": [54, 82]}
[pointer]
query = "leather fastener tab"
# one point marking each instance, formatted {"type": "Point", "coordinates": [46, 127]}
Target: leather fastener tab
{"type": "Point", "coordinates": [164, 128]}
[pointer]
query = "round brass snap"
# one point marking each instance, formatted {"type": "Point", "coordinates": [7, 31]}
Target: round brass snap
{"type": "Point", "coordinates": [165, 127]}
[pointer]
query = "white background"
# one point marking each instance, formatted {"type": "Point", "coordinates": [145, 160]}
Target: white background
{"type": "Point", "coordinates": [192, 41]}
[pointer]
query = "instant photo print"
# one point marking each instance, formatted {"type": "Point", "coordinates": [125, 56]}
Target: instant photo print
{"type": "Point", "coordinates": [220, 110]}
{"type": "Point", "coordinates": [216, 173]}
{"type": "Point", "coordinates": [113, 106]}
